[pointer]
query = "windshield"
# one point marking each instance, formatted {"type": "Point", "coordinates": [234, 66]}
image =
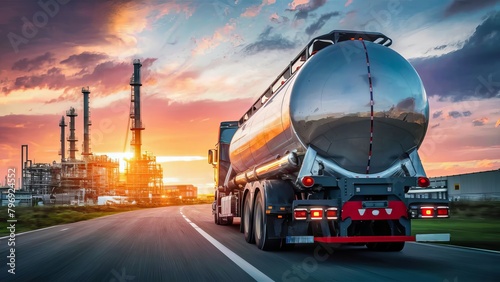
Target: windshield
{"type": "Point", "coordinates": [227, 134]}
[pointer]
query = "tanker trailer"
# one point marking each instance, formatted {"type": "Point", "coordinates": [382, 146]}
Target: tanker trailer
{"type": "Point", "coordinates": [329, 151]}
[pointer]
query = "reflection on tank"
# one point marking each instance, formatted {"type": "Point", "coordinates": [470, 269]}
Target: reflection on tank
{"type": "Point", "coordinates": [329, 104]}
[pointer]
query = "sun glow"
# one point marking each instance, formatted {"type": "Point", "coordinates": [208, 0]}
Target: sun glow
{"type": "Point", "coordinates": [121, 157]}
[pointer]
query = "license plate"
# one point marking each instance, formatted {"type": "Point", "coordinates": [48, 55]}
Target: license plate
{"type": "Point", "coordinates": [299, 239]}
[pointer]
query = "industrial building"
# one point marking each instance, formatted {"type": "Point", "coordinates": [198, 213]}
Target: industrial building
{"type": "Point", "coordinates": [475, 186]}
{"type": "Point", "coordinates": [182, 192]}
{"type": "Point", "coordinates": [82, 180]}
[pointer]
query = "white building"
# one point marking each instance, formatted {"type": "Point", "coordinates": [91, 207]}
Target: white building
{"type": "Point", "coordinates": [476, 186]}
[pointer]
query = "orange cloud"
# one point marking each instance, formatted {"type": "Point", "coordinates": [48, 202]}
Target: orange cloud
{"type": "Point", "coordinates": [480, 122]}
{"type": "Point", "coordinates": [253, 11]}
{"type": "Point", "coordinates": [274, 17]}
{"type": "Point", "coordinates": [296, 3]}
{"type": "Point", "coordinates": [131, 18]}
{"type": "Point", "coordinates": [498, 123]}
{"type": "Point", "coordinates": [223, 34]}
{"type": "Point", "coordinates": [435, 169]}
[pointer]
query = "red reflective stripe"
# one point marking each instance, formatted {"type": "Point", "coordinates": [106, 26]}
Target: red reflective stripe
{"type": "Point", "coordinates": [355, 211]}
{"type": "Point", "coordinates": [364, 239]}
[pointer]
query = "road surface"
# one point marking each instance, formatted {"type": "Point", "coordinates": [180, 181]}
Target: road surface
{"type": "Point", "coordinates": [183, 244]}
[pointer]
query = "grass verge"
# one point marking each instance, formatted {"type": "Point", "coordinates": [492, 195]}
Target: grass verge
{"type": "Point", "coordinates": [472, 224]}
{"type": "Point", "coordinates": [469, 232]}
{"type": "Point", "coordinates": [31, 218]}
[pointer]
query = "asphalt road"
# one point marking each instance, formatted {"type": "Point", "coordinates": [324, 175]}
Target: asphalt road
{"type": "Point", "coordinates": [183, 244]}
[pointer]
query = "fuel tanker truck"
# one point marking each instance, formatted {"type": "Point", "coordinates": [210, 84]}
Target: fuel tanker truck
{"type": "Point", "coordinates": [329, 152]}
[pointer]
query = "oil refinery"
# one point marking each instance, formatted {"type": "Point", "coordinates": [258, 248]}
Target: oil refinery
{"type": "Point", "coordinates": [82, 180]}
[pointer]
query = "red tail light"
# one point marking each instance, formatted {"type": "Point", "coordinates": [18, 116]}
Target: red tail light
{"type": "Point", "coordinates": [316, 213]}
{"type": "Point", "coordinates": [423, 182]}
{"type": "Point", "coordinates": [307, 181]}
{"type": "Point", "coordinates": [427, 212]}
{"type": "Point", "coordinates": [300, 214]}
{"type": "Point", "coordinates": [443, 212]}
{"type": "Point", "coordinates": [331, 213]}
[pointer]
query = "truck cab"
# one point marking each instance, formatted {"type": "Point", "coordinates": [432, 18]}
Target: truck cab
{"type": "Point", "coordinates": [219, 159]}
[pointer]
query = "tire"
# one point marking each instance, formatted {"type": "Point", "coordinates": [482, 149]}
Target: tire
{"type": "Point", "coordinates": [383, 229]}
{"type": "Point", "coordinates": [226, 220]}
{"type": "Point", "coordinates": [216, 211]}
{"type": "Point", "coordinates": [216, 218]}
{"type": "Point", "coordinates": [395, 247]}
{"type": "Point", "coordinates": [386, 247]}
{"type": "Point", "coordinates": [247, 221]}
{"type": "Point", "coordinates": [260, 227]}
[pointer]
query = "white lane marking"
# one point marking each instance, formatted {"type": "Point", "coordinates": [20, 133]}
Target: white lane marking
{"type": "Point", "coordinates": [187, 219]}
{"type": "Point", "coordinates": [64, 229]}
{"type": "Point", "coordinates": [463, 248]}
{"type": "Point", "coordinates": [17, 234]}
{"type": "Point", "coordinates": [243, 264]}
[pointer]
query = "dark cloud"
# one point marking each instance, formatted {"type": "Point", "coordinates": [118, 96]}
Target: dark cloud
{"type": "Point", "coordinates": [35, 63]}
{"type": "Point", "coordinates": [470, 72]}
{"type": "Point", "coordinates": [440, 47]}
{"type": "Point", "coordinates": [304, 9]}
{"type": "Point", "coordinates": [454, 114]}
{"type": "Point", "coordinates": [466, 113]}
{"type": "Point", "coordinates": [84, 59]}
{"type": "Point", "coordinates": [311, 29]}
{"type": "Point", "coordinates": [435, 125]}
{"type": "Point", "coordinates": [106, 77]}
{"type": "Point", "coordinates": [461, 6]}
{"type": "Point", "coordinates": [437, 114]}
{"type": "Point", "coordinates": [53, 79]}
{"type": "Point", "coordinates": [407, 104]}
{"type": "Point", "coordinates": [268, 41]}
{"type": "Point", "coordinates": [74, 23]}
{"type": "Point", "coordinates": [480, 122]}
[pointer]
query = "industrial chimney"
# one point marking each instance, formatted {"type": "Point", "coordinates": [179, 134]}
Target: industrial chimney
{"type": "Point", "coordinates": [135, 109]}
{"type": "Point", "coordinates": [86, 123]}
{"type": "Point", "coordinates": [62, 124]}
{"type": "Point", "coordinates": [71, 113]}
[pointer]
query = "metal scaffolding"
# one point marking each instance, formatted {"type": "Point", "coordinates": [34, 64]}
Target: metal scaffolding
{"type": "Point", "coordinates": [144, 179]}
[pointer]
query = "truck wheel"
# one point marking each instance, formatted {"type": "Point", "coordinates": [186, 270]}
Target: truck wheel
{"type": "Point", "coordinates": [386, 247]}
{"type": "Point", "coordinates": [248, 221]}
{"type": "Point", "coordinates": [226, 220]}
{"type": "Point", "coordinates": [261, 232]}
{"type": "Point", "coordinates": [382, 228]}
{"type": "Point", "coordinates": [215, 210]}
{"type": "Point", "coordinates": [395, 247]}
{"type": "Point", "coordinates": [216, 218]}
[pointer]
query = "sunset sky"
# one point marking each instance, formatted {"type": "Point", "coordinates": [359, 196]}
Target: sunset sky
{"type": "Point", "coordinates": [205, 61]}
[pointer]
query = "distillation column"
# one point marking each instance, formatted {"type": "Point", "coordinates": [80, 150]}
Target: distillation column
{"type": "Point", "coordinates": [135, 109]}
{"type": "Point", "coordinates": [71, 113]}
{"type": "Point", "coordinates": [86, 123]}
{"type": "Point", "coordinates": [62, 124]}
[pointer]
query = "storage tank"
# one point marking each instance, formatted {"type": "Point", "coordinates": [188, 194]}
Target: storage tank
{"type": "Point", "coordinates": [359, 104]}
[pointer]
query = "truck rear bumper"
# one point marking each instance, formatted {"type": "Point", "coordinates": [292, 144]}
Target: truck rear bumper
{"type": "Point", "coordinates": [368, 239]}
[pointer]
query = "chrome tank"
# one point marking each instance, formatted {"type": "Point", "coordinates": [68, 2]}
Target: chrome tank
{"type": "Point", "coordinates": [330, 106]}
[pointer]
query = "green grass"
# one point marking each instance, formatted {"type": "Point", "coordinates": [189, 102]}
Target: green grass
{"type": "Point", "coordinates": [30, 218]}
{"type": "Point", "coordinates": [476, 233]}
{"type": "Point", "coordinates": [472, 224]}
